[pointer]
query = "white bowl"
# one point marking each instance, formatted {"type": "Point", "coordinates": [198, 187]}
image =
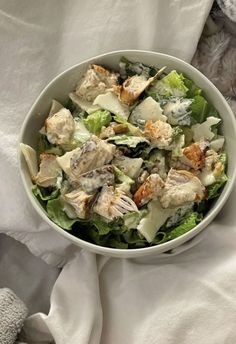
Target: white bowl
{"type": "Point", "coordinates": [59, 89]}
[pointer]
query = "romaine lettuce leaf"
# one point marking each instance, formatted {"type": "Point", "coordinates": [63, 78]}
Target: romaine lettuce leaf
{"type": "Point", "coordinates": [57, 215]}
{"type": "Point", "coordinates": [96, 120]}
{"type": "Point", "coordinates": [214, 189]}
{"type": "Point", "coordinates": [45, 194]}
{"type": "Point", "coordinates": [134, 239]}
{"type": "Point", "coordinates": [171, 85]}
{"type": "Point", "coordinates": [132, 219]}
{"type": "Point", "coordinates": [124, 181]}
{"type": "Point", "coordinates": [201, 109]}
{"type": "Point", "coordinates": [128, 68]}
{"type": "Point", "coordinates": [132, 128]}
{"type": "Point", "coordinates": [193, 89]}
{"type": "Point", "coordinates": [130, 141]}
{"type": "Point", "coordinates": [80, 136]}
{"type": "Point", "coordinates": [189, 222]}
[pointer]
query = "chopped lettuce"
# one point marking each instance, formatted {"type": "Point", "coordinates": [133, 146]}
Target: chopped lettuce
{"type": "Point", "coordinates": [130, 141]}
{"type": "Point", "coordinates": [124, 181]}
{"type": "Point", "coordinates": [45, 194]}
{"type": "Point", "coordinates": [132, 219]}
{"type": "Point", "coordinates": [201, 109]}
{"type": "Point", "coordinates": [128, 68]}
{"type": "Point", "coordinates": [80, 136]}
{"type": "Point", "coordinates": [96, 120]}
{"type": "Point", "coordinates": [214, 189]}
{"type": "Point", "coordinates": [171, 85]}
{"type": "Point", "coordinates": [178, 141]}
{"type": "Point", "coordinates": [43, 144]}
{"type": "Point", "coordinates": [177, 111]}
{"type": "Point", "coordinates": [56, 213]}
{"type": "Point", "coordinates": [189, 222]}
{"type": "Point", "coordinates": [156, 217]}
{"type": "Point", "coordinates": [120, 119]}
{"type": "Point", "coordinates": [193, 89]}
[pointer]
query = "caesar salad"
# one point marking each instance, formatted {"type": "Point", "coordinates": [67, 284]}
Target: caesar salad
{"type": "Point", "coordinates": [134, 159]}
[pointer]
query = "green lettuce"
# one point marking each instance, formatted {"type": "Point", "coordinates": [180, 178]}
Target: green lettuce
{"type": "Point", "coordinates": [189, 222]}
{"type": "Point", "coordinates": [214, 189]}
{"type": "Point", "coordinates": [134, 239]}
{"type": "Point", "coordinates": [201, 109]}
{"type": "Point", "coordinates": [128, 68]}
{"type": "Point", "coordinates": [132, 219]}
{"type": "Point", "coordinates": [193, 89]}
{"type": "Point", "coordinates": [171, 85]}
{"type": "Point", "coordinates": [56, 214]}
{"type": "Point", "coordinates": [45, 194]}
{"type": "Point", "coordinates": [121, 177]}
{"type": "Point", "coordinates": [96, 120]}
{"type": "Point", "coordinates": [120, 119]}
{"type": "Point", "coordinates": [130, 141]}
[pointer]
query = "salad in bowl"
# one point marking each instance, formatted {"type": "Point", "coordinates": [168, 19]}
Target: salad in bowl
{"type": "Point", "coordinates": [134, 159]}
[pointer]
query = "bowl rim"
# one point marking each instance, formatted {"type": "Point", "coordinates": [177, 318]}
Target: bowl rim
{"type": "Point", "coordinates": [128, 253]}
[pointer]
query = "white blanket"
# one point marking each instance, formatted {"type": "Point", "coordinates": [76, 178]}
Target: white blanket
{"type": "Point", "coordinates": [187, 298]}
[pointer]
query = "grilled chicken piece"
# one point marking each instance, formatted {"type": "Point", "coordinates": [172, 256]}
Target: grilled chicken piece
{"type": "Point", "coordinates": [181, 187]}
{"type": "Point", "coordinates": [159, 133]}
{"type": "Point", "coordinates": [150, 189]}
{"type": "Point", "coordinates": [97, 81]}
{"type": "Point", "coordinates": [212, 169]}
{"type": "Point", "coordinates": [93, 154]}
{"type": "Point", "coordinates": [113, 203]}
{"type": "Point", "coordinates": [80, 201]}
{"type": "Point", "coordinates": [134, 86]}
{"type": "Point", "coordinates": [49, 171]}
{"type": "Point", "coordinates": [92, 180]}
{"type": "Point", "coordinates": [60, 127]}
{"type": "Point", "coordinates": [193, 156]}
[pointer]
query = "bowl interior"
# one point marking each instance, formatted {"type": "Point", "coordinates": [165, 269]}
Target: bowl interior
{"type": "Point", "coordinates": [62, 85]}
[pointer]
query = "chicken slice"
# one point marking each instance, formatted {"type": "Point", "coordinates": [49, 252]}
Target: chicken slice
{"type": "Point", "coordinates": [159, 133]}
{"type": "Point", "coordinates": [92, 180]}
{"type": "Point", "coordinates": [93, 154]}
{"type": "Point", "coordinates": [181, 187]}
{"type": "Point", "coordinates": [134, 86]}
{"type": "Point", "coordinates": [60, 127]}
{"type": "Point", "coordinates": [49, 171]}
{"type": "Point", "coordinates": [80, 201]}
{"type": "Point", "coordinates": [113, 203]}
{"type": "Point", "coordinates": [193, 156]}
{"type": "Point", "coordinates": [97, 80]}
{"type": "Point", "coordinates": [150, 189]}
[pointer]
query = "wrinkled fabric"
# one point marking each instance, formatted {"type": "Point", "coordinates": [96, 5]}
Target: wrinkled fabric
{"type": "Point", "coordinates": [188, 297]}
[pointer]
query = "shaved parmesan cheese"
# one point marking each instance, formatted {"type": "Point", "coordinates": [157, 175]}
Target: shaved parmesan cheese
{"type": "Point", "coordinates": [203, 130]}
{"type": "Point", "coordinates": [148, 109]}
{"type": "Point", "coordinates": [30, 158]}
{"type": "Point", "coordinates": [109, 101]}
{"type": "Point", "coordinates": [217, 144]}
{"type": "Point", "coordinates": [64, 160]}
{"type": "Point", "coordinates": [156, 217]}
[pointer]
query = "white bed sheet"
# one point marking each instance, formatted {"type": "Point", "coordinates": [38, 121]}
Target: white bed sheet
{"type": "Point", "coordinates": [189, 298]}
